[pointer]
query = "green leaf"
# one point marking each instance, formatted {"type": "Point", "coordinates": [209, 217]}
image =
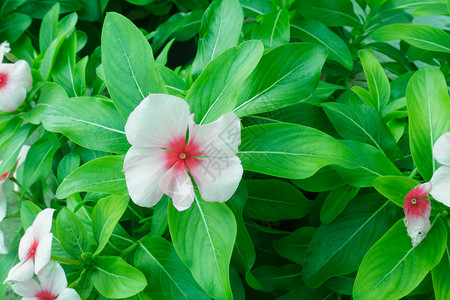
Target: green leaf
{"type": "Point", "coordinates": [429, 116]}
{"type": "Point", "coordinates": [220, 30]}
{"type": "Point", "coordinates": [395, 188]}
{"type": "Point", "coordinates": [274, 29]}
{"type": "Point", "coordinates": [215, 91]}
{"type": "Point", "coordinates": [314, 32]}
{"type": "Point", "coordinates": [364, 124]}
{"type": "Point", "coordinates": [13, 26]}
{"type": "Point", "coordinates": [204, 237]}
{"type": "Point", "coordinates": [114, 278]}
{"type": "Point", "coordinates": [169, 277]}
{"type": "Point", "coordinates": [329, 12]}
{"type": "Point", "coordinates": [12, 147]}
{"type": "Point", "coordinates": [285, 75]}
{"type": "Point", "coordinates": [67, 165]}
{"type": "Point", "coordinates": [339, 247]}
{"type": "Point", "coordinates": [441, 278]}
{"type": "Point", "coordinates": [93, 123]}
{"type": "Point", "coordinates": [326, 179]}
{"type": "Point", "coordinates": [130, 69]}
{"type": "Point", "coordinates": [71, 233]}
{"type": "Point", "coordinates": [291, 151]}
{"type": "Point", "coordinates": [420, 36]}
{"type": "Point", "coordinates": [275, 200]}
{"type": "Point", "coordinates": [335, 203]}
{"type": "Point", "coordinates": [375, 3]}
{"type": "Point", "coordinates": [28, 212]}
{"type": "Point", "coordinates": [38, 8]}
{"type": "Point", "coordinates": [49, 28]}
{"type": "Point", "coordinates": [294, 246]}
{"type": "Point", "coordinates": [101, 175]}
{"type": "Point", "coordinates": [63, 68]}
{"type": "Point", "coordinates": [255, 8]}
{"type": "Point", "coordinates": [273, 278]}
{"type": "Point", "coordinates": [107, 212]}
{"type": "Point", "coordinates": [393, 269]}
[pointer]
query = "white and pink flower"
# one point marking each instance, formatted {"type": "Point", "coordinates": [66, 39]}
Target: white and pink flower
{"type": "Point", "coordinates": [53, 285]}
{"type": "Point", "coordinates": [417, 208]}
{"type": "Point", "coordinates": [164, 153]}
{"type": "Point", "coordinates": [15, 81]}
{"type": "Point", "coordinates": [440, 182]}
{"type": "Point", "coordinates": [34, 248]}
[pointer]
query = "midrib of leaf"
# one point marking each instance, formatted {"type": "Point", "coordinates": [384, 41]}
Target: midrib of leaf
{"type": "Point", "coordinates": [218, 36]}
{"type": "Point", "coordinates": [115, 275]}
{"type": "Point", "coordinates": [94, 124]}
{"type": "Point", "coordinates": [372, 74]}
{"type": "Point", "coordinates": [336, 12]}
{"type": "Point", "coordinates": [165, 271]}
{"type": "Point", "coordinates": [252, 9]}
{"type": "Point", "coordinates": [274, 27]}
{"type": "Point", "coordinates": [430, 125]}
{"type": "Point", "coordinates": [275, 201]}
{"type": "Point", "coordinates": [423, 41]}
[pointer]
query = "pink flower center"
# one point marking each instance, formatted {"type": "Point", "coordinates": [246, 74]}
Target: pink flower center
{"type": "Point", "coordinates": [32, 250]}
{"type": "Point", "coordinates": [45, 295]}
{"type": "Point", "coordinates": [181, 155]}
{"type": "Point", "coordinates": [416, 203]}
{"type": "Point", "coordinates": [3, 79]}
{"type": "Point", "coordinates": [4, 176]}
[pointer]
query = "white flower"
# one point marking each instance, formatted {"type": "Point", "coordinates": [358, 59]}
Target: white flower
{"type": "Point", "coordinates": [440, 182]}
{"type": "Point", "coordinates": [162, 154]}
{"type": "Point", "coordinates": [53, 285]}
{"type": "Point", "coordinates": [34, 249]}
{"type": "Point", "coordinates": [4, 48]}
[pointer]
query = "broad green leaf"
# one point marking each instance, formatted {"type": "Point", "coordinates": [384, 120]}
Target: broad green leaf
{"type": "Point", "coordinates": [335, 203]}
{"type": "Point", "coordinates": [114, 278]}
{"type": "Point", "coordinates": [13, 26]}
{"type": "Point", "coordinates": [49, 28]}
{"type": "Point", "coordinates": [71, 233]}
{"type": "Point", "coordinates": [215, 91]}
{"type": "Point", "coordinates": [204, 237]}
{"type": "Point", "coordinates": [169, 278]}
{"type": "Point", "coordinates": [392, 268]}
{"type": "Point", "coordinates": [274, 29]}
{"type": "Point", "coordinates": [291, 151]}
{"type": "Point", "coordinates": [314, 32]}
{"type": "Point", "coordinates": [127, 58]}
{"type": "Point", "coordinates": [429, 116]}
{"type": "Point", "coordinates": [273, 278]}
{"type": "Point", "coordinates": [91, 122]}
{"type": "Point", "coordinates": [63, 68]}
{"type": "Point", "coordinates": [377, 81]}
{"type": "Point", "coordinates": [339, 247]}
{"type": "Point", "coordinates": [107, 212]}
{"type": "Point", "coordinates": [326, 179]}
{"type": "Point", "coordinates": [395, 188]}
{"type": "Point", "coordinates": [38, 8]}
{"type": "Point", "coordinates": [284, 76]}
{"type": "Point", "coordinates": [323, 92]}
{"type": "Point", "coordinates": [304, 292]}
{"type": "Point", "coordinates": [254, 8]}
{"type": "Point", "coordinates": [294, 246]}
{"type": "Point", "coordinates": [8, 128]}
{"type": "Point", "coordinates": [275, 200]}
{"type": "Point", "coordinates": [159, 217]}
{"type": "Point", "coordinates": [91, 10]}
{"type": "Point", "coordinates": [375, 3]}
{"type": "Point", "coordinates": [420, 36]}
{"type": "Point", "coordinates": [220, 30]}
{"type": "Point", "coordinates": [175, 84]}
{"type": "Point", "coordinates": [12, 147]}
{"type": "Point", "coordinates": [28, 212]}
{"type": "Point", "coordinates": [101, 175]}
{"type": "Point", "coordinates": [364, 124]}
{"type": "Point", "coordinates": [329, 12]}
{"type": "Point", "coordinates": [67, 165]}
{"type": "Point", "coordinates": [441, 278]}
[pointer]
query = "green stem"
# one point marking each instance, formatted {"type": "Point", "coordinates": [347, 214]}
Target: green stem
{"type": "Point", "coordinates": [413, 173]}
{"type": "Point", "coordinates": [12, 216]}
{"type": "Point", "coordinates": [129, 249]}
{"type": "Point", "coordinates": [65, 260]}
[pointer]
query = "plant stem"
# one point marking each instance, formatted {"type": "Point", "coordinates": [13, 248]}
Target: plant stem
{"type": "Point", "coordinates": [65, 260]}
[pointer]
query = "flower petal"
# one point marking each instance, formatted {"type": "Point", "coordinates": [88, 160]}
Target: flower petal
{"type": "Point", "coordinates": [158, 120]}
{"type": "Point", "coordinates": [417, 228]}
{"type": "Point", "coordinates": [441, 149]}
{"type": "Point", "coordinates": [12, 96]}
{"type": "Point", "coordinates": [3, 204]}
{"type": "Point", "coordinates": [21, 75]}
{"type": "Point", "coordinates": [219, 138]}
{"type": "Point", "coordinates": [178, 186]}
{"type": "Point", "coordinates": [4, 48]}
{"type": "Point", "coordinates": [440, 185]}
{"type": "Point", "coordinates": [68, 294]}
{"type": "Point", "coordinates": [25, 243]}
{"type": "Point", "coordinates": [27, 288]}
{"type": "Point", "coordinates": [3, 248]}
{"type": "Point", "coordinates": [42, 224]}
{"type": "Point", "coordinates": [22, 155]}
{"type": "Point", "coordinates": [144, 168]}
{"type": "Point", "coordinates": [23, 271]}
{"type": "Point", "coordinates": [217, 178]}
{"type": "Point", "coordinates": [53, 278]}
{"type": "Point", "coordinates": [43, 252]}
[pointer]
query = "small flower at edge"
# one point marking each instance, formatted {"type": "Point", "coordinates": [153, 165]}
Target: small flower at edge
{"type": "Point", "coordinates": [417, 210]}
{"type": "Point", "coordinates": [34, 249]}
{"type": "Point", "coordinates": [53, 284]}
{"type": "Point", "coordinates": [161, 154]}
{"type": "Point", "coordinates": [440, 182]}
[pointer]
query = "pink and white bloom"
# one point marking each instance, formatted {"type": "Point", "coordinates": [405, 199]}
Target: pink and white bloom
{"type": "Point", "coordinates": [417, 208]}
{"type": "Point", "coordinates": [34, 249]}
{"type": "Point", "coordinates": [163, 154]}
{"type": "Point", "coordinates": [53, 285]}
{"type": "Point", "coordinates": [440, 182]}
{"type": "Point", "coordinates": [15, 81]}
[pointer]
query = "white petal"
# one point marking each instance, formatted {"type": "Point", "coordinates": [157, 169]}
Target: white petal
{"type": "Point", "coordinates": [219, 138]}
{"type": "Point", "coordinates": [4, 48]}
{"type": "Point", "coordinates": [23, 271]}
{"type": "Point", "coordinates": [3, 248]}
{"type": "Point", "coordinates": [178, 186]}
{"type": "Point", "coordinates": [12, 96]}
{"type": "Point", "coordinates": [158, 120]}
{"type": "Point", "coordinates": [144, 168]}
{"type": "Point", "coordinates": [43, 223]}
{"type": "Point", "coordinates": [417, 228]}
{"type": "Point", "coordinates": [53, 278]}
{"type": "Point", "coordinates": [25, 243]}
{"type": "Point", "coordinates": [68, 294]}
{"type": "Point", "coordinates": [217, 178]}
{"type": "Point", "coordinates": [22, 155]}
{"type": "Point", "coordinates": [21, 75]}
{"type": "Point", "coordinates": [27, 288]}
{"type": "Point", "coordinates": [43, 252]}
{"type": "Point", "coordinates": [440, 185]}
{"type": "Point", "coordinates": [441, 149]}
{"type": "Point", "coordinates": [3, 203]}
